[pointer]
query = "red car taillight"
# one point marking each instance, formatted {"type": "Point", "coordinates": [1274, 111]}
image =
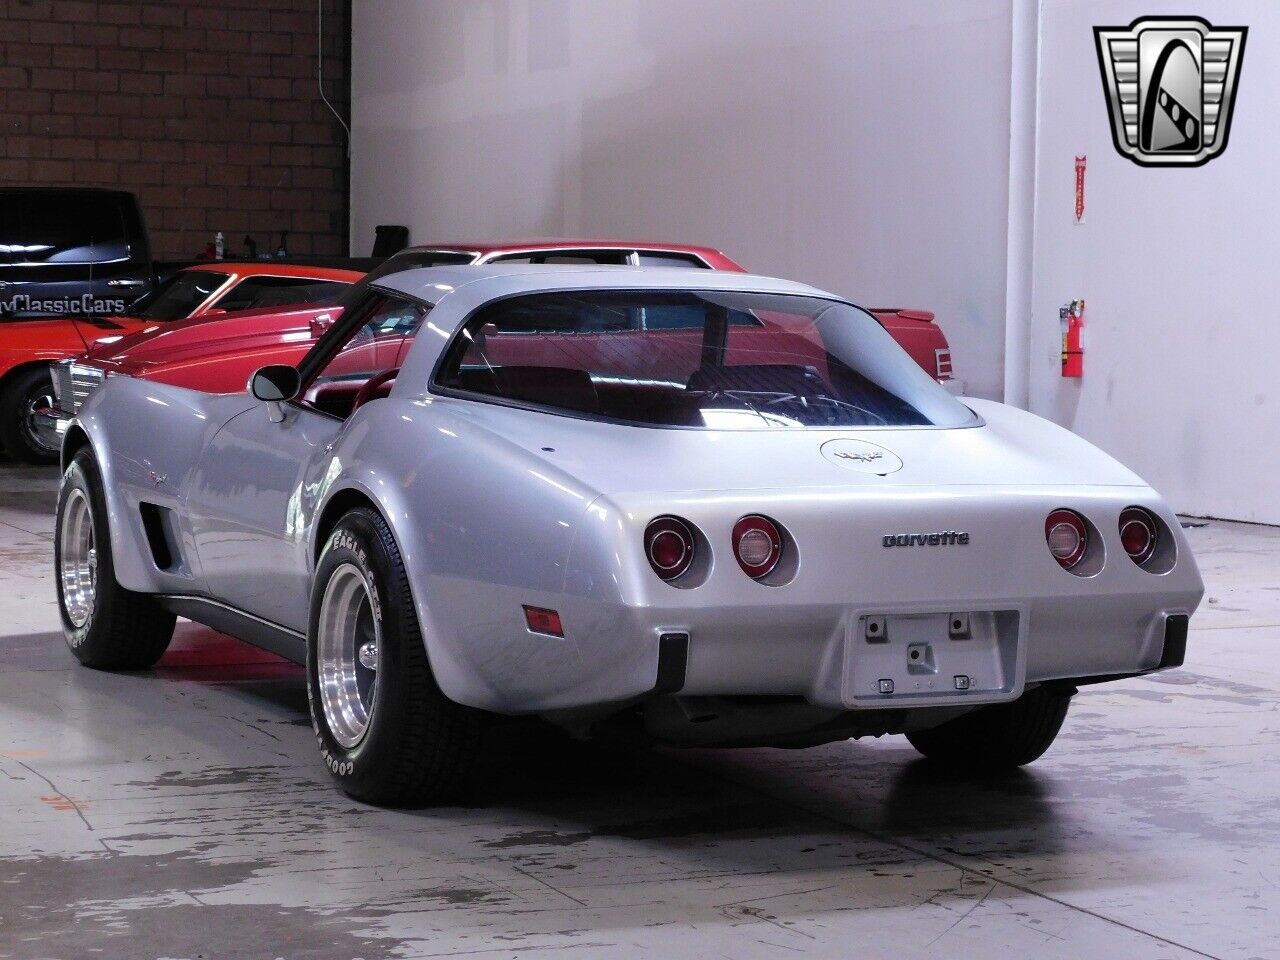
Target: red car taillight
{"type": "Point", "coordinates": [757, 545]}
{"type": "Point", "coordinates": [1138, 534]}
{"type": "Point", "coordinates": [669, 545]}
{"type": "Point", "coordinates": [1068, 537]}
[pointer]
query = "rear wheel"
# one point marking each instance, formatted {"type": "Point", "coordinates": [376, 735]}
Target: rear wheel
{"type": "Point", "coordinates": [998, 737]}
{"type": "Point", "coordinates": [105, 625]}
{"type": "Point", "coordinates": [23, 435]}
{"type": "Point", "coordinates": [387, 733]}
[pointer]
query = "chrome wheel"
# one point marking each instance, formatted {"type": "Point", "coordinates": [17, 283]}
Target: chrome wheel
{"type": "Point", "coordinates": [78, 564]}
{"type": "Point", "coordinates": [39, 435]}
{"type": "Point", "coordinates": [347, 654]}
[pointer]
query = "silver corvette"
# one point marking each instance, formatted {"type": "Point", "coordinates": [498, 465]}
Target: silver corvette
{"type": "Point", "coordinates": [711, 510]}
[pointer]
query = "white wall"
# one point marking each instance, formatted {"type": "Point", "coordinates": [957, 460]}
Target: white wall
{"type": "Point", "coordinates": [860, 145]}
{"type": "Point", "coordinates": [1179, 270]}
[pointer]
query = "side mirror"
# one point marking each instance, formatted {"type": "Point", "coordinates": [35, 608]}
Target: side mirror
{"type": "Point", "coordinates": [320, 325]}
{"type": "Point", "coordinates": [274, 385]}
{"type": "Point", "coordinates": [213, 312]}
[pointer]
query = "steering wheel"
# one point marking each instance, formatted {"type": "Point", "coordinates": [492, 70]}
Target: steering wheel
{"type": "Point", "coordinates": [372, 384]}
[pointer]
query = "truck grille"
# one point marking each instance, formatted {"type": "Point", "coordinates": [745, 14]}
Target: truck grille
{"type": "Point", "coordinates": [74, 384]}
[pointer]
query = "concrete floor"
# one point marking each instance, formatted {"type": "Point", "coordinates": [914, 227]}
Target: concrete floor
{"type": "Point", "coordinates": [184, 813]}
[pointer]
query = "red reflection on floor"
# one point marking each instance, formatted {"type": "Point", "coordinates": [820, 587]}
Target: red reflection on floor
{"type": "Point", "coordinates": [199, 653]}
{"type": "Point", "coordinates": [60, 802]}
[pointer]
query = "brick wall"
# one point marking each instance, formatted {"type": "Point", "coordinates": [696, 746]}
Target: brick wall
{"type": "Point", "coordinates": [207, 109]}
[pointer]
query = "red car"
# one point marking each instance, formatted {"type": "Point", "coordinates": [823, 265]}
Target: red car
{"type": "Point", "coordinates": [27, 346]}
{"type": "Point", "coordinates": [219, 355]}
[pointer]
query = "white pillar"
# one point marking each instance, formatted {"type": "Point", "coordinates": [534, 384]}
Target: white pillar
{"type": "Point", "coordinates": [1024, 111]}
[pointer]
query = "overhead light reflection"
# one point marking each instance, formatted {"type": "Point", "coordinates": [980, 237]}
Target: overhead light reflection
{"type": "Point", "coordinates": [558, 486]}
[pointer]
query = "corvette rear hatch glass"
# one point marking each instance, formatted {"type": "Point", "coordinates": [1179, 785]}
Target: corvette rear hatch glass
{"type": "Point", "coordinates": [710, 359]}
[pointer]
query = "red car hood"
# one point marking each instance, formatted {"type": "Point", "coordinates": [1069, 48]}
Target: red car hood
{"type": "Point", "coordinates": [199, 338]}
{"type": "Point", "coordinates": [60, 334]}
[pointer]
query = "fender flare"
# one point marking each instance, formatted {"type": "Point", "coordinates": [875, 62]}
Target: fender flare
{"type": "Point", "coordinates": [348, 492]}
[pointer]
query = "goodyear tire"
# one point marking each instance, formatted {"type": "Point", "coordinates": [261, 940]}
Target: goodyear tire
{"type": "Point", "coordinates": [19, 435]}
{"type": "Point", "coordinates": [106, 626]}
{"type": "Point", "coordinates": [386, 732]}
{"type": "Point", "coordinates": [999, 737]}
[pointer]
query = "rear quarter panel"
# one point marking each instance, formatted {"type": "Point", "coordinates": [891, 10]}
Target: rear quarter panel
{"type": "Point", "coordinates": [224, 373]}
{"type": "Point", "coordinates": [483, 527]}
{"type": "Point", "coordinates": [718, 261]}
{"type": "Point", "coordinates": [218, 355]}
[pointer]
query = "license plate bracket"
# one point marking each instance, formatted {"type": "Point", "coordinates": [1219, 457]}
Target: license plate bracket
{"type": "Point", "coordinates": [933, 657]}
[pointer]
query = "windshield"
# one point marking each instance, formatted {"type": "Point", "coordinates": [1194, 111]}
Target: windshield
{"type": "Point", "coordinates": [707, 359]}
{"type": "Point", "coordinates": [178, 296]}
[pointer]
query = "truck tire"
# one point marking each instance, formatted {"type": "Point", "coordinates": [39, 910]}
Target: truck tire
{"type": "Point", "coordinates": [387, 733]}
{"type": "Point", "coordinates": [999, 737]}
{"type": "Point", "coordinates": [21, 396]}
{"type": "Point", "coordinates": [106, 626]}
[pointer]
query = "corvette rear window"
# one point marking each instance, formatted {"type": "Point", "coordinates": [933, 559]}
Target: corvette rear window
{"type": "Point", "coordinates": [711, 359]}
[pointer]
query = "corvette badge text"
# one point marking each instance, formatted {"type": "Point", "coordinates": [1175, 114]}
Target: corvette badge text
{"type": "Point", "coordinates": [950, 538]}
{"type": "Point", "coordinates": [1170, 84]}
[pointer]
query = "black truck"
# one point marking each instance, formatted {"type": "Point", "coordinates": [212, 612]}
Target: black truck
{"type": "Point", "coordinates": [71, 249]}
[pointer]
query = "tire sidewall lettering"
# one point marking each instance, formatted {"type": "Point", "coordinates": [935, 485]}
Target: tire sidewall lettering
{"type": "Point", "coordinates": [337, 767]}
{"type": "Point", "coordinates": [344, 539]}
{"type": "Point", "coordinates": [73, 479]}
{"type": "Point", "coordinates": [339, 761]}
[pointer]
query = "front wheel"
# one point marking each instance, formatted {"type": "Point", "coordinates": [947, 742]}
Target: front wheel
{"type": "Point", "coordinates": [23, 435]}
{"type": "Point", "coordinates": [999, 737]}
{"type": "Point", "coordinates": [387, 733]}
{"type": "Point", "coordinates": [105, 625]}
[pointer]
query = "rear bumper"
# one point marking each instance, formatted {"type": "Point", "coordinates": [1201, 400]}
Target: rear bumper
{"type": "Point", "coordinates": [821, 654]}
{"type": "Point", "coordinates": [1173, 628]}
{"type": "Point", "coordinates": [825, 656]}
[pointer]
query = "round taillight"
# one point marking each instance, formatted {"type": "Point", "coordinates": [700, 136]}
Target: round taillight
{"type": "Point", "coordinates": [1067, 536]}
{"type": "Point", "coordinates": [669, 544]}
{"type": "Point", "coordinates": [1138, 534]}
{"type": "Point", "coordinates": [757, 545]}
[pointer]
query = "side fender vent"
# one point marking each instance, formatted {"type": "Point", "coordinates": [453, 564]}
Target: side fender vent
{"type": "Point", "coordinates": [157, 522]}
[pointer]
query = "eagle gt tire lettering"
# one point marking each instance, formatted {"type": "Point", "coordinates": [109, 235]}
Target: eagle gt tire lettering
{"type": "Point", "coordinates": [386, 732]}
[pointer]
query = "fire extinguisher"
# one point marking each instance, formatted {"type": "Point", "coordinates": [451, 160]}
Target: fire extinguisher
{"type": "Point", "coordinates": [1071, 321]}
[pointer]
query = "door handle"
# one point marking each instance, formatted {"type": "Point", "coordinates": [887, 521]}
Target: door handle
{"type": "Point", "coordinates": [124, 283]}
